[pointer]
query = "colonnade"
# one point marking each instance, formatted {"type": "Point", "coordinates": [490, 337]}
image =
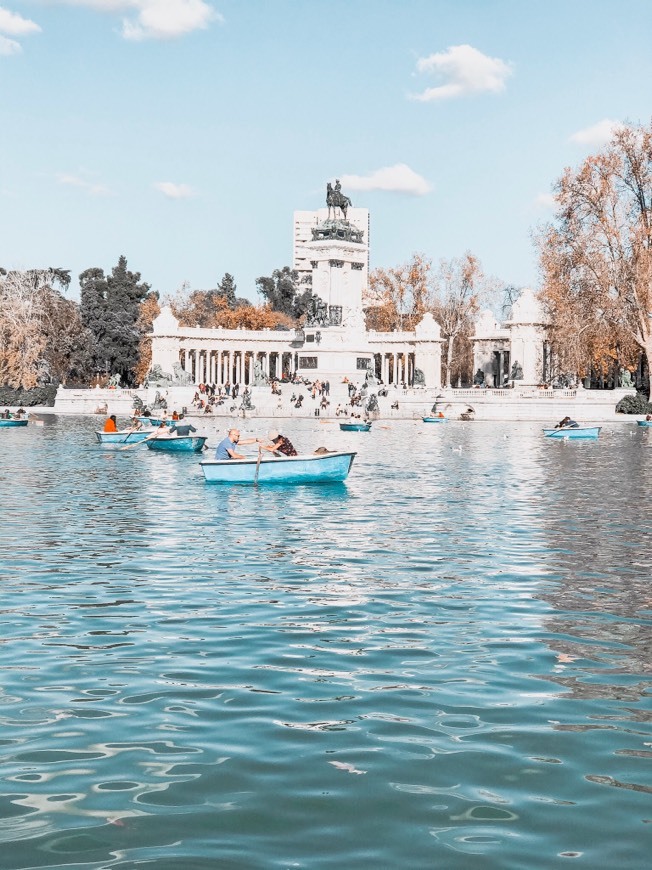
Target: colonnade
{"type": "Point", "coordinates": [236, 365]}
{"type": "Point", "coordinates": [397, 367]}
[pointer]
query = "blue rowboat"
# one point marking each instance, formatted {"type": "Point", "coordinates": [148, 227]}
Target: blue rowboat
{"type": "Point", "coordinates": [355, 427]}
{"type": "Point", "coordinates": [311, 468]}
{"type": "Point", "coordinates": [152, 421]}
{"type": "Point", "coordinates": [178, 443]}
{"type": "Point", "coordinates": [435, 419]}
{"type": "Point", "coordinates": [644, 422]}
{"type": "Point", "coordinates": [577, 432]}
{"type": "Point", "coordinates": [12, 422]}
{"type": "Point", "coordinates": [126, 436]}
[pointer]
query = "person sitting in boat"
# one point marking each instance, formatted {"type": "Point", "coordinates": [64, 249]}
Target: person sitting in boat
{"type": "Point", "coordinates": [567, 423]}
{"type": "Point", "coordinates": [279, 444]}
{"type": "Point", "coordinates": [6, 414]}
{"type": "Point", "coordinates": [226, 449]}
{"type": "Point", "coordinates": [135, 424]}
{"type": "Point", "coordinates": [20, 413]}
{"type": "Point", "coordinates": [648, 418]}
{"type": "Point", "coordinates": [182, 428]}
{"type": "Point", "coordinates": [111, 424]}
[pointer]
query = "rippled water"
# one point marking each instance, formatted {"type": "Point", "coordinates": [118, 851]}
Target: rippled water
{"type": "Point", "coordinates": [444, 662]}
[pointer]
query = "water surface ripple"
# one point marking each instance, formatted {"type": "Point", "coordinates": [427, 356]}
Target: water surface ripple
{"type": "Point", "coordinates": [444, 662]}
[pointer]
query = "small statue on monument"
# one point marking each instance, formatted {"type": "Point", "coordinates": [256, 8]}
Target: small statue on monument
{"type": "Point", "coordinates": [626, 378]}
{"type": "Point", "coordinates": [336, 199]}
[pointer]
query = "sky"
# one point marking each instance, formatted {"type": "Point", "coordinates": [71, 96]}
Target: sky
{"type": "Point", "coordinates": [183, 134]}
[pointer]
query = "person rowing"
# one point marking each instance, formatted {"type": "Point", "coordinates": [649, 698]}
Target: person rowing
{"type": "Point", "coordinates": [279, 444]}
{"type": "Point", "coordinates": [227, 448]}
{"type": "Point", "coordinates": [567, 423]}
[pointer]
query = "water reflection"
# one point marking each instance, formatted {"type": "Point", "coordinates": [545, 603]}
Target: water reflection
{"type": "Point", "coordinates": [428, 665]}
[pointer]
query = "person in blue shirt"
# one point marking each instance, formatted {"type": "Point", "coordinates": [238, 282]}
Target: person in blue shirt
{"type": "Point", "coordinates": [227, 448]}
{"type": "Point", "coordinates": [182, 428]}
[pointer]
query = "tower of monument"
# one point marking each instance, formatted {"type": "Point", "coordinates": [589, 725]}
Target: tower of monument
{"type": "Point", "coordinates": [338, 255]}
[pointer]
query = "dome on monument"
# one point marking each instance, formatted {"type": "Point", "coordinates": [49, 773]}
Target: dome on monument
{"type": "Point", "coordinates": [527, 308]}
{"type": "Point", "coordinates": [486, 325]}
{"type": "Point", "coordinates": [166, 321]}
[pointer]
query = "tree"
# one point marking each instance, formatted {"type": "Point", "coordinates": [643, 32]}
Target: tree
{"type": "Point", "coordinates": [596, 258]}
{"type": "Point", "coordinates": [110, 308]}
{"type": "Point", "coordinates": [283, 293]}
{"type": "Point", "coordinates": [149, 310]}
{"type": "Point", "coordinates": [41, 334]}
{"type": "Point", "coordinates": [459, 287]}
{"type": "Point", "coordinates": [397, 298]}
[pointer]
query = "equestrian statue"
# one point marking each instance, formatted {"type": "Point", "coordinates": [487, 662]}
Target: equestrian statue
{"type": "Point", "coordinates": [335, 199]}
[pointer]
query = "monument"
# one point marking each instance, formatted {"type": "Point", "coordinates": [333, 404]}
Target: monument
{"type": "Point", "coordinates": [332, 343]}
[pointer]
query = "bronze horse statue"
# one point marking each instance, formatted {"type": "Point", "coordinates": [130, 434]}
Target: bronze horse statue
{"type": "Point", "coordinates": [336, 199]}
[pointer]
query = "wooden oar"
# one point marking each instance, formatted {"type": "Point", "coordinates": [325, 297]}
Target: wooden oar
{"type": "Point", "coordinates": [138, 443]}
{"type": "Point", "coordinates": [260, 453]}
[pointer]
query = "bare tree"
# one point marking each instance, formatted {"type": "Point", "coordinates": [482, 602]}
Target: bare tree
{"type": "Point", "coordinates": [596, 258]}
{"type": "Point", "coordinates": [459, 286]}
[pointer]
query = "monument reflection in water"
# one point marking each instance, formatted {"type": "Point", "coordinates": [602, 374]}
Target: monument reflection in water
{"type": "Point", "coordinates": [443, 662]}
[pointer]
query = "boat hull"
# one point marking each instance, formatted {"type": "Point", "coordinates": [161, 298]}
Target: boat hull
{"type": "Point", "coordinates": [434, 419]}
{"type": "Point", "coordinates": [313, 468]}
{"type": "Point", "coordinates": [644, 422]}
{"type": "Point", "coordinates": [355, 427]}
{"type": "Point", "coordinates": [124, 437]}
{"type": "Point", "coordinates": [12, 424]}
{"type": "Point", "coordinates": [178, 443]}
{"type": "Point", "coordinates": [580, 432]}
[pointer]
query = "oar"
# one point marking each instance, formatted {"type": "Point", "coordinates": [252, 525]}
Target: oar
{"type": "Point", "coordinates": [138, 443]}
{"type": "Point", "coordinates": [260, 453]}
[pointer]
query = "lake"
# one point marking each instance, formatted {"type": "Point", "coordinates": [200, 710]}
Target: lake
{"type": "Point", "coordinates": [444, 662]}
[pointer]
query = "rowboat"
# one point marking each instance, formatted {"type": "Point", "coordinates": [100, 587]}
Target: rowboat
{"type": "Point", "coordinates": [153, 421]}
{"type": "Point", "coordinates": [12, 422]}
{"type": "Point", "coordinates": [178, 443]}
{"type": "Point", "coordinates": [644, 422]}
{"type": "Point", "coordinates": [311, 468]}
{"type": "Point", "coordinates": [355, 427]}
{"type": "Point", "coordinates": [577, 432]}
{"type": "Point", "coordinates": [435, 419]}
{"type": "Point", "coordinates": [125, 436]}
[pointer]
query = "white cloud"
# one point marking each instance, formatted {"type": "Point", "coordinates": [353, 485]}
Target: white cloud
{"type": "Point", "coordinates": [9, 46]}
{"type": "Point", "coordinates": [155, 19]}
{"type": "Point", "coordinates": [545, 200]}
{"type": "Point", "coordinates": [464, 70]}
{"type": "Point", "coordinates": [84, 184]}
{"type": "Point", "coordinates": [397, 179]}
{"type": "Point", "coordinates": [597, 135]}
{"type": "Point", "coordinates": [174, 191]}
{"type": "Point", "coordinates": [16, 25]}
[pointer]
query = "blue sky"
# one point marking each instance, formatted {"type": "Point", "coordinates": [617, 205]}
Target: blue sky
{"type": "Point", "coordinates": [184, 133]}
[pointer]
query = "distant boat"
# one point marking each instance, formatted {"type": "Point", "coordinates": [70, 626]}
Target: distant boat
{"type": "Point", "coordinates": [12, 422]}
{"type": "Point", "coordinates": [575, 432]}
{"type": "Point", "coordinates": [355, 427]}
{"type": "Point", "coordinates": [644, 422]}
{"type": "Point", "coordinates": [125, 436]}
{"type": "Point", "coordinates": [178, 443]}
{"type": "Point", "coordinates": [311, 468]}
{"type": "Point", "coordinates": [154, 421]}
{"type": "Point", "coordinates": [435, 419]}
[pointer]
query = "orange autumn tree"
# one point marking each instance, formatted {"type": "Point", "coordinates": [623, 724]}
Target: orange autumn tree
{"type": "Point", "coordinates": [211, 310]}
{"type": "Point", "coordinates": [397, 298]}
{"type": "Point", "coordinates": [149, 310]}
{"type": "Point", "coordinates": [596, 258]}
